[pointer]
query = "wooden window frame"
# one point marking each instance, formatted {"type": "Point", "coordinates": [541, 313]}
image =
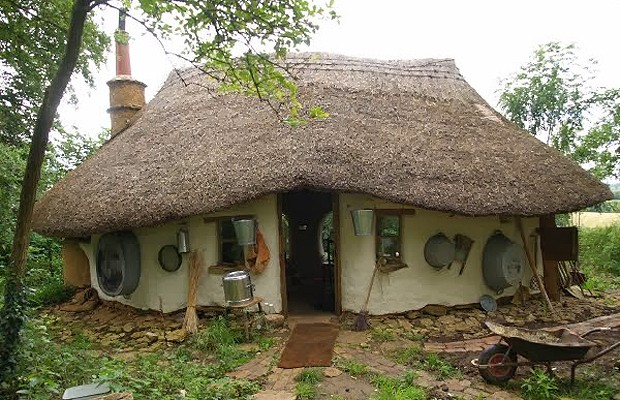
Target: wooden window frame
{"type": "Point", "coordinates": [220, 240]}
{"type": "Point", "coordinates": [391, 212]}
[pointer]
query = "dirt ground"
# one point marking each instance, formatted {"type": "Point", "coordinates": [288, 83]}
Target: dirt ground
{"type": "Point", "coordinates": [123, 330]}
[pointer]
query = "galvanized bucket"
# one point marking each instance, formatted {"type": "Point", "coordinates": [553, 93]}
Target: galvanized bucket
{"type": "Point", "coordinates": [362, 222]}
{"type": "Point", "coordinates": [245, 231]}
{"type": "Point", "coordinates": [238, 288]}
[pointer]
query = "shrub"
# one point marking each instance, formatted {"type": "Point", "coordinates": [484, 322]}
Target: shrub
{"type": "Point", "coordinates": [540, 386]}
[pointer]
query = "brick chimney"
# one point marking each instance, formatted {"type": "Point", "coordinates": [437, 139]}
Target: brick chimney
{"type": "Point", "coordinates": [126, 93]}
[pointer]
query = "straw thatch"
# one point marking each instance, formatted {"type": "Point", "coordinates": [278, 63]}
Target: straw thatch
{"type": "Point", "coordinates": [412, 132]}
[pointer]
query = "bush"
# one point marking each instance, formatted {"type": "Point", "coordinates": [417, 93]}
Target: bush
{"type": "Point", "coordinates": [540, 386]}
{"type": "Point", "coordinates": [53, 292]}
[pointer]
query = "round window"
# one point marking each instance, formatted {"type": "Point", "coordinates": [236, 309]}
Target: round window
{"type": "Point", "coordinates": [118, 263]}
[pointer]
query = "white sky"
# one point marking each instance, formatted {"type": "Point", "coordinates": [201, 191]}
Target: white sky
{"type": "Point", "coordinates": [489, 39]}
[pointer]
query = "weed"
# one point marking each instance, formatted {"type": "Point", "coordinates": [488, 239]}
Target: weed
{"type": "Point", "coordinates": [218, 334]}
{"type": "Point", "coordinates": [265, 343]}
{"type": "Point", "coordinates": [413, 336]}
{"type": "Point", "coordinates": [409, 355]}
{"type": "Point", "coordinates": [381, 334]}
{"type": "Point", "coordinates": [390, 388]}
{"type": "Point", "coordinates": [439, 366]}
{"type": "Point", "coordinates": [310, 375]}
{"type": "Point", "coordinates": [46, 368]}
{"type": "Point", "coordinates": [353, 368]}
{"type": "Point", "coordinates": [539, 386]}
{"type": "Point", "coordinates": [52, 292]}
{"type": "Point", "coordinates": [305, 391]}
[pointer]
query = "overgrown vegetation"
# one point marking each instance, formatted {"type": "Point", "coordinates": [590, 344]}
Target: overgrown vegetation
{"type": "Point", "coordinates": [591, 384]}
{"type": "Point", "coordinates": [194, 370]}
{"type": "Point", "coordinates": [599, 254]}
{"type": "Point", "coordinates": [416, 358]}
{"type": "Point", "coordinates": [307, 381]}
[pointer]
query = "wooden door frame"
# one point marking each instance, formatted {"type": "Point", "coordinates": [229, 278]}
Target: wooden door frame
{"type": "Point", "coordinates": [282, 245]}
{"type": "Point", "coordinates": [337, 250]}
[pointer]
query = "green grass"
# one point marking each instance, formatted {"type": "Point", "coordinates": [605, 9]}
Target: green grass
{"type": "Point", "coordinates": [415, 357]}
{"type": "Point", "coordinates": [46, 368]}
{"type": "Point", "coordinates": [390, 388]}
{"type": "Point", "coordinates": [381, 334]}
{"type": "Point", "coordinates": [305, 391]}
{"type": "Point", "coordinates": [311, 376]}
{"type": "Point", "coordinates": [353, 368]}
{"type": "Point", "coordinates": [599, 254]}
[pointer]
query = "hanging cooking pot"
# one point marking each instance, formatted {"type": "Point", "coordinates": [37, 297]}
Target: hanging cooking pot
{"type": "Point", "coordinates": [238, 288]}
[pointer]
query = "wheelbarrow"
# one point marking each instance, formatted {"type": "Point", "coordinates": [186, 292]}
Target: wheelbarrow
{"type": "Point", "coordinates": [498, 363]}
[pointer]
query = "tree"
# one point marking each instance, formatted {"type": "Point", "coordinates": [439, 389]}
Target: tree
{"type": "Point", "coordinates": [552, 97]}
{"type": "Point", "coordinates": [213, 30]}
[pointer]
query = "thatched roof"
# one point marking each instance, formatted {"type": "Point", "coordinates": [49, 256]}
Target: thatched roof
{"type": "Point", "coordinates": [413, 132]}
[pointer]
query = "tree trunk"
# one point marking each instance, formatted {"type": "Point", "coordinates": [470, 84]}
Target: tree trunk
{"type": "Point", "coordinates": [11, 317]}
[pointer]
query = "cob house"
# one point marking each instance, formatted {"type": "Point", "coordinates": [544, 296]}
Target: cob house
{"type": "Point", "coordinates": [442, 179]}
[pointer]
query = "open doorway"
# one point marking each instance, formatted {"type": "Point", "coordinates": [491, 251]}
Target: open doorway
{"type": "Point", "coordinates": [309, 242]}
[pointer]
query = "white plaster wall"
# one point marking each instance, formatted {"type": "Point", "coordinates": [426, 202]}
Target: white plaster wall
{"type": "Point", "coordinates": [420, 284]}
{"type": "Point", "coordinates": [167, 291]}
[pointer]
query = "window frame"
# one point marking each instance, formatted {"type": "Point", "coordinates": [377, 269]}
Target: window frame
{"type": "Point", "coordinates": [221, 241]}
{"type": "Point", "coordinates": [389, 213]}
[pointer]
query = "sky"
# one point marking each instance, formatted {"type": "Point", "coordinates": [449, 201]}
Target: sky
{"type": "Point", "coordinates": [489, 39]}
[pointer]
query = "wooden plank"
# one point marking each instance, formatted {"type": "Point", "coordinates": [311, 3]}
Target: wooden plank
{"type": "Point", "coordinates": [337, 247]}
{"type": "Point", "coordinates": [281, 245]}
{"type": "Point", "coordinates": [208, 220]}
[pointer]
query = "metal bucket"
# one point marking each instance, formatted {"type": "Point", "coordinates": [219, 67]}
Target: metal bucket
{"type": "Point", "coordinates": [238, 288]}
{"type": "Point", "coordinates": [362, 222]}
{"type": "Point", "coordinates": [245, 231]}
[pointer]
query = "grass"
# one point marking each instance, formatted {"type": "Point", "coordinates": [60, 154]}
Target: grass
{"type": "Point", "coordinates": [592, 383]}
{"type": "Point", "coordinates": [381, 334]}
{"type": "Point", "coordinates": [388, 388]}
{"type": "Point", "coordinates": [599, 253]}
{"type": "Point", "coordinates": [194, 370]}
{"type": "Point", "coordinates": [353, 368]}
{"type": "Point", "coordinates": [307, 381]}
{"type": "Point", "coordinates": [311, 376]}
{"type": "Point", "coordinates": [415, 357]}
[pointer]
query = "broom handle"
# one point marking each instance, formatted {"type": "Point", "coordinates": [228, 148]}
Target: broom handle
{"type": "Point", "coordinates": [372, 281]}
{"type": "Point", "coordinates": [530, 261]}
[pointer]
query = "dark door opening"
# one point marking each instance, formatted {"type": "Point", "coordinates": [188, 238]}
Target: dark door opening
{"type": "Point", "coordinates": [307, 225]}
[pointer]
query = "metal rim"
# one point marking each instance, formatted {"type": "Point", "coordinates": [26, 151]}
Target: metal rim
{"type": "Point", "coordinates": [169, 258]}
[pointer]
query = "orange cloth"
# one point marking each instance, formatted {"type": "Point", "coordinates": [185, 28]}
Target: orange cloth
{"type": "Point", "coordinates": [259, 255]}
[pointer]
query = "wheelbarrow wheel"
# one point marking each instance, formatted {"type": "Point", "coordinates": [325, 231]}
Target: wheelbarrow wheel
{"type": "Point", "coordinates": [494, 356]}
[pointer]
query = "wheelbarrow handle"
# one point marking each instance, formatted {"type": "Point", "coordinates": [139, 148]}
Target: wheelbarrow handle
{"type": "Point", "coordinates": [591, 331]}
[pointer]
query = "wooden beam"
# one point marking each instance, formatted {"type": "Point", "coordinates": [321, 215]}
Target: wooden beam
{"type": "Point", "coordinates": [282, 257]}
{"type": "Point", "coordinates": [551, 272]}
{"type": "Point", "coordinates": [337, 247]}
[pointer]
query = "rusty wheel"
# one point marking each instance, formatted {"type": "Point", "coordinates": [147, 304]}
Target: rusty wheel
{"type": "Point", "coordinates": [494, 356]}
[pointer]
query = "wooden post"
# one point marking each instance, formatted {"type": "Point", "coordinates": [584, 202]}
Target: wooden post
{"type": "Point", "coordinates": [281, 245]}
{"type": "Point", "coordinates": [532, 264]}
{"type": "Point", "coordinates": [337, 249]}
{"type": "Point", "coordinates": [550, 267]}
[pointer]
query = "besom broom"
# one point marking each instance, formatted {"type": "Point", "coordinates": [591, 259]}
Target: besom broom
{"type": "Point", "coordinates": [190, 322]}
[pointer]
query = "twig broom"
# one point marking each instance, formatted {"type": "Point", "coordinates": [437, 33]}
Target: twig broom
{"type": "Point", "coordinates": [190, 323]}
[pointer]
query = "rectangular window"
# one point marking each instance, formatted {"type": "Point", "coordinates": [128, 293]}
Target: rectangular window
{"type": "Point", "coordinates": [230, 251]}
{"type": "Point", "coordinates": [388, 234]}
